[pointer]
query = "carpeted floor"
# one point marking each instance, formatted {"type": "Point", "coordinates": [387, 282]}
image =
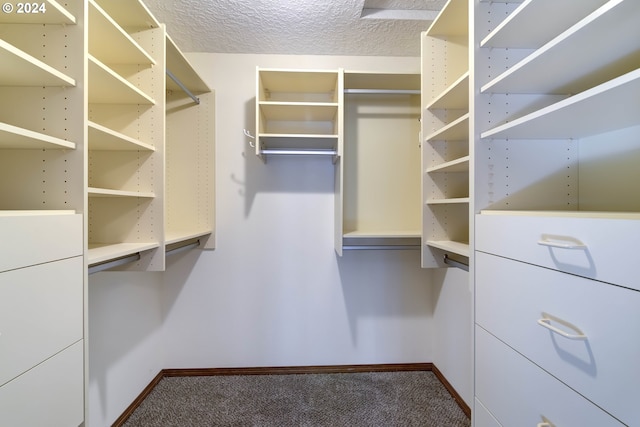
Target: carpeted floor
{"type": "Point", "coordinates": [351, 399]}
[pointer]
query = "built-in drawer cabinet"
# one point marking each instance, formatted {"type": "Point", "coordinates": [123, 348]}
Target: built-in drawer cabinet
{"type": "Point", "coordinates": [519, 393]}
{"type": "Point", "coordinates": [600, 246]}
{"type": "Point", "coordinates": [50, 394]}
{"type": "Point", "coordinates": [582, 331]}
{"type": "Point", "coordinates": [40, 314]}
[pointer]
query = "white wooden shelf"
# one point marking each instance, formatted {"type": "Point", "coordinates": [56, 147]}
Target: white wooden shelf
{"type": "Point", "coordinates": [180, 67]}
{"type": "Point", "coordinates": [611, 105]}
{"type": "Point", "coordinates": [105, 192]}
{"type": "Point", "coordinates": [101, 252]}
{"type": "Point", "coordinates": [108, 87]}
{"type": "Point", "coordinates": [8, 213]}
{"type": "Point", "coordinates": [457, 165]}
{"type": "Point", "coordinates": [379, 234]}
{"type": "Point", "coordinates": [570, 55]}
{"type": "Point", "coordinates": [522, 28]}
{"type": "Point", "coordinates": [382, 82]}
{"type": "Point", "coordinates": [300, 82]}
{"type": "Point", "coordinates": [21, 69]}
{"type": "Point", "coordinates": [455, 97]}
{"type": "Point", "coordinates": [448, 22]}
{"type": "Point", "coordinates": [565, 214]}
{"type": "Point", "coordinates": [459, 248]}
{"type": "Point", "coordinates": [129, 14]}
{"type": "Point", "coordinates": [452, 201]}
{"type": "Point", "coordinates": [15, 137]}
{"type": "Point", "coordinates": [457, 130]}
{"type": "Point", "coordinates": [102, 138]}
{"type": "Point", "coordinates": [54, 13]}
{"type": "Point", "coordinates": [174, 236]}
{"type": "Point", "coordinates": [110, 43]}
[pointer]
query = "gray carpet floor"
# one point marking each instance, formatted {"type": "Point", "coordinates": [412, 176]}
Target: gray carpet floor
{"type": "Point", "coordinates": [349, 399]}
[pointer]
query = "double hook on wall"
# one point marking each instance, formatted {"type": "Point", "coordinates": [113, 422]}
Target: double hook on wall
{"type": "Point", "coordinates": [248, 134]}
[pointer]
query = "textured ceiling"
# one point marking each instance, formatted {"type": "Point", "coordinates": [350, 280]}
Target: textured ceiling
{"type": "Point", "coordinates": [314, 27]}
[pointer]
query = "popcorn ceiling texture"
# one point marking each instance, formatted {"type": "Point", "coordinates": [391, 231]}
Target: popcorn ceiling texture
{"type": "Point", "coordinates": [301, 27]}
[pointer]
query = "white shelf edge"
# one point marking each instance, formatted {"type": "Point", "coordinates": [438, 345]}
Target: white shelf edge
{"type": "Point", "coordinates": [298, 104]}
{"type": "Point", "coordinates": [127, 140]}
{"type": "Point", "coordinates": [437, 135]}
{"type": "Point", "coordinates": [452, 201]}
{"type": "Point", "coordinates": [298, 135]}
{"type": "Point", "coordinates": [101, 252]}
{"type": "Point", "coordinates": [447, 23]}
{"type": "Point", "coordinates": [8, 213]}
{"type": "Point", "coordinates": [459, 248]}
{"type": "Point", "coordinates": [565, 214]}
{"type": "Point", "coordinates": [105, 192]}
{"type": "Point", "coordinates": [53, 76]}
{"type": "Point", "coordinates": [460, 81]}
{"type": "Point", "coordinates": [172, 237]}
{"type": "Point", "coordinates": [35, 139]}
{"type": "Point", "coordinates": [456, 165]}
{"type": "Point", "coordinates": [180, 67]}
{"type": "Point", "coordinates": [391, 234]}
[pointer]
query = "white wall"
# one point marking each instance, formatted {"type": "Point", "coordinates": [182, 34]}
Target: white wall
{"type": "Point", "coordinates": [274, 293]}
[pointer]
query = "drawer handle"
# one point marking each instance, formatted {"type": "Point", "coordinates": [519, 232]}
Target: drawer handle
{"type": "Point", "coordinates": [561, 242]}
{"type": "Point", "coordinates": [545, 322]}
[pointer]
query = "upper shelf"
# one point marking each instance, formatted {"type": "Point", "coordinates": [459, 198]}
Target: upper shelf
{"type": "Point", "coordinates": [392, 82]}
{"type": "Point", "coordinates": [22, 69]}
{"type": "Point", "coordinates": [110, 43]}
{"type": "Point", "coordinates": [180, 67]}
{"type": "Point", "coordinates": [42, 12]}
{"type": "Point", "coordinates": [457, 130]}
{"type": "Point", "coordinates": [129, 14]}
{"type": "Point", "coordinates": [299, 111]}
{"type": "Point", "coordinates": [452, 20]}
{"type": "Point", "coordinates": [611, 105]}
{"type": "Point", "coordinates": [298, 85]}
{"type": "Point", "coordinates": [601, 46]}
{"type": "Point", "coordinates": [455, 97]}
{"type": "Point", "coordinates": [522, 28]}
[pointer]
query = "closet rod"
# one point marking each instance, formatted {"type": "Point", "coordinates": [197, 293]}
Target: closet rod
{"type": "Point", "coordinates": [381, 247]}
{"type": "Point", "coordinates": [96, 268]}
{"type": "Point", "coordinates": [454, 263]}
{"type": "Point", "coordinates": [383, 91]}
{"type": "Point", "coordinates": [301, 152]}
{"type": "Point", "coordinates": [183, 87]}
{"type": "Point", "coordinates": [181, 248]}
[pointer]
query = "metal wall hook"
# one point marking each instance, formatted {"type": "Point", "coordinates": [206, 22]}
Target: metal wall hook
{"type": "Point", "coordinates": [247, 133]}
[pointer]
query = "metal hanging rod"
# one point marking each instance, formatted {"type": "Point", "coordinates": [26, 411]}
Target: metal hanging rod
{"type": "Point", "coordinates": [454, 263]}
{"type": "Point", "coordinates": [383, 91]}
{"type": "Point", "coordinates": [183, 87]}
{"type": "Point", "coordinates": [96, 268]}
{"type": "Point", "coordinates": [182, 248]}
{"type": "Point", "coordinates": [300, 152]}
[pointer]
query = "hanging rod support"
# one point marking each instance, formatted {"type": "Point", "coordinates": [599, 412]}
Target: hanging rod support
{"type": "Point", "coordinates": [183, 87]}
{"type": "Point", "coordinates": [96, 268]}
{"type": "Point", "coordinates": [454, 263]}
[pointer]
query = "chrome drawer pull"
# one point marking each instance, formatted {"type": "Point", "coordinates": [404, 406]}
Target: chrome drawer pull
{"type": "Point", "coordinates": [561, 242]}
{"type": "Point", "coordinates": [545, 322]}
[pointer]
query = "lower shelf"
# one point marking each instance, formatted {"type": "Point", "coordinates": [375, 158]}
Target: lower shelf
{"type": "Point", "coordinates": [459, 248]}
{"type": "Point", "coordinates": [102, 252]}
{"type": "Point", "coordinates": [381, 240]}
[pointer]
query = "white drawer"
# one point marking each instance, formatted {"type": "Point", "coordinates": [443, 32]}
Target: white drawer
{"type": "Point", "coordinates": [40, 313]}
{"type": "Point", "coordinates": [512, 296]}
{"type": "Point", "coordinates": [610, 251]}
{"type": "Point", "coordinates": [51, 394]}
{"type": "Point", "coordinates": [33, 239]}
{"type": "Point", "coordinates": [518, 393]}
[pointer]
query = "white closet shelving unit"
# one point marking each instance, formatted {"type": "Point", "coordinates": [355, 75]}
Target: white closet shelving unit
{"type": "Point", "coordinates": [556, 154]}
{"type": "Point", "coordinates": [377, 176]}
{"type": "Point", "coordinates": [126, 104]}
{"type": "Point", "coordinates": [446, 153]}
{"type": "Point", "coordinates": [41, 206]}
{"type": "Point", "coordinates": [298, 112]}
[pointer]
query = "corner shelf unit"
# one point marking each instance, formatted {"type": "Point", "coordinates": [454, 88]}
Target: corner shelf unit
{"type": "Point", "coordinates": [446, 151]}
{"type": "Point", "coordinates": [298, 112]}
{"type": "Point", "coordinates": [377, 185]}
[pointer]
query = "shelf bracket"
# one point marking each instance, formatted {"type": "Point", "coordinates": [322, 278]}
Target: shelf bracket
{"type": "Point", "coordinates": [183, 87]}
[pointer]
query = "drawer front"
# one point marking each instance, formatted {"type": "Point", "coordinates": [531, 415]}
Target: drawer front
{"type": "Point", "coordinates": [35, 239]}
{"type": "Point", "coordinates": [40, 313]}
{"type": "Point", "coordinates": [519, 303]}
{"type": "Point", "coordinates": [51, 394]}
{"type": "Point", "coordinates": [609, 253]}
{"type": "Point", "coordinates": [519, 393]}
